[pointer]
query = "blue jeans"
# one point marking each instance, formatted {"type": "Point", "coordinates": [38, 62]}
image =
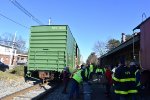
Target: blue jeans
{"type": "Point", "coordinates": [74, 89]}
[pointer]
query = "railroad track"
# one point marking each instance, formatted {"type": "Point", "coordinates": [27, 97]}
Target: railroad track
{"type": "Point", "coordinates": [33, 92]}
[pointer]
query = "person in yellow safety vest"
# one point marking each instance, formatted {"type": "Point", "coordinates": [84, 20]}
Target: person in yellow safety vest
{"type": "Point", "coordinates": [124, 82]}
{"type": "Point", "coordinates": [91, 67]}
{"type": "Point", "coordinates": [91, 71]}
{"type": "Point", "coordinates": [75, 70]}
{"type": "Point", "coordinates": [76, 81]}
{"type": "Point", "coordinates": [99, 72]}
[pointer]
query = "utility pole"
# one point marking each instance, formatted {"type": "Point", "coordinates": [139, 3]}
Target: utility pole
{"type": "Point", "coordinates": [12, 52]}
{"type": "Point", "coordinates": [49, 21]}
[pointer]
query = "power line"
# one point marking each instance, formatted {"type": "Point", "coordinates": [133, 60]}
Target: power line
{"type": "Point", "coordinates": [19, 6]}
{"type": "Point", "coordinates": [13, 21]}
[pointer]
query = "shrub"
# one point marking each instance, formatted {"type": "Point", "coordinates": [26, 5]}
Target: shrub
{"type": "Point", "coordinates": [19, 70]}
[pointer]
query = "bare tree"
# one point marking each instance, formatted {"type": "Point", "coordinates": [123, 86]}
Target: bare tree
{"type": "Point", "coordinates": [7, 39]}
{"type": "Point", "coordinates": [100, 48]}
{"type": "Point", "coordinates": [92, 59]}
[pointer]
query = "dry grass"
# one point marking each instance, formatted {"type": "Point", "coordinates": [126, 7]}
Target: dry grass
{"type": "Point", "coordinates": [19, 70]}
{"type": "Point", "coordinates": [8, 76]}
{"type": "Point", "coordinates": [14, 74]}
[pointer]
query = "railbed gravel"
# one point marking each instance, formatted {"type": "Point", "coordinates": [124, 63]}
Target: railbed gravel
{"type": "Point", "coordinates": [12, 86]}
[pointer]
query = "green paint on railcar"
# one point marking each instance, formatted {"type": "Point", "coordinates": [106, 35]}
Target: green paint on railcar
{"type": "Point", "coordinates": [70, 49]}
{"type": "Point", "coordinates": [51, 48]}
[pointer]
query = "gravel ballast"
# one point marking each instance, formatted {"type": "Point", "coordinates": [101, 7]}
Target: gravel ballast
{"type": "Point", "coordinates": [11, 84]}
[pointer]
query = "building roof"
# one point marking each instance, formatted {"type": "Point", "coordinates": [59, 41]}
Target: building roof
{"type": "Point", "coordinates": [123, 45]}
{"type": "Point", "coordinates": [23, 55]}
{"type": "Point", "coordinates": [5, 46]}
{"type": "Point", "coordinates": [138, 27]}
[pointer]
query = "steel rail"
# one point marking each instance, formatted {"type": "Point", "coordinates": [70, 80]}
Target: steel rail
{"type": "Point", "coordinates": [10, 97]}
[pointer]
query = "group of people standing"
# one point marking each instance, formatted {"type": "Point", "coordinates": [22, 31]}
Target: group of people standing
{"type": "Point", "coordinates": [123, 79]}
{"type": "Point", "coordinates": [80, 75]}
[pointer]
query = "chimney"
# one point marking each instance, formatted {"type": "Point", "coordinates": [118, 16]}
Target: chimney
{"type": "Point", "coordinates": [123, 39]}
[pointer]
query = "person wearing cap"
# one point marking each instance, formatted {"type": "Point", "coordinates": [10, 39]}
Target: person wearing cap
{"type": "Point", "coordinates": [77, 79]}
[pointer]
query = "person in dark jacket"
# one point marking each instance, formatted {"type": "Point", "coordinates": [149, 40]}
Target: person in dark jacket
{"type": "Point", "coordinates": [66, 75]}
{"type": "Point", "coordinates": [124, 81]}
{"type": "Point", "coordinates": [136, 70]}
{"type": "Point", "coordinates": [85, 73]}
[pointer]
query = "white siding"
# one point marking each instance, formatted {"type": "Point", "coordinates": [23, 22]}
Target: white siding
{"type": "Point", "coordinates": [6, 50]}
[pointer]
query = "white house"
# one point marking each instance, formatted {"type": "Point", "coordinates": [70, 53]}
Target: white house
{"type": "Point", "coordinates": [7, 54]}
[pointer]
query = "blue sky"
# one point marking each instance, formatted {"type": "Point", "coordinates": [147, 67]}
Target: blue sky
{"type": "Point", "coordinates": [89, 20]}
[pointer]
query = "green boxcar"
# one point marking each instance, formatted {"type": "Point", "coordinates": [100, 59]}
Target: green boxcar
{"type": "Point", "coordinates": [51, 48]}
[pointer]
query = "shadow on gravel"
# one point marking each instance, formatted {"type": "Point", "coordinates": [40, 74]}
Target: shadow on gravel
{"type": "Point", "coordinates": [43, 95]}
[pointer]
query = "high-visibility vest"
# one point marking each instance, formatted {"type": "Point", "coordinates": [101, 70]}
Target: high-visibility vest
{"type": "Point", "coordinates": [91, 68]}
{"type": "Point", "coordinates": [86, 73]}
{"type": "Point", "coordinates": [99, 70]}
{"type": "Point", "coordinates": [77, 76]}
{"type": "Point", "coordinates": [124, 81]}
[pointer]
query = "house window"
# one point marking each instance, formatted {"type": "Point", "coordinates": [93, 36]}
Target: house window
{"type": "Point", "coordinates": [22, 58]}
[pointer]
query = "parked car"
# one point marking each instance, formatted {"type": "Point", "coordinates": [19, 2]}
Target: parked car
{"type": "Point", "coordinates": [3, 67]}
